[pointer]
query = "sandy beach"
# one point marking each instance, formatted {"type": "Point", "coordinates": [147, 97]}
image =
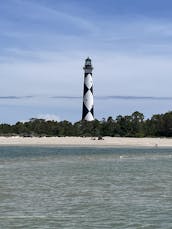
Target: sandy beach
{"type": "Point", "coordinates": [87, 141]}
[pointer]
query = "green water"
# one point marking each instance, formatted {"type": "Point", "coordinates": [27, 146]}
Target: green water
{"type": "Point", "coordinates": [85, 188]}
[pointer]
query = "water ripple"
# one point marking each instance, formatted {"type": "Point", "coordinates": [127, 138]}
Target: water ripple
{"type": "Point", "coordinates": [85, 188]}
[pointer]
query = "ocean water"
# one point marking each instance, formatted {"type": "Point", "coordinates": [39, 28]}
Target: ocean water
{"type": "Point", "coordinates": [85, 188]}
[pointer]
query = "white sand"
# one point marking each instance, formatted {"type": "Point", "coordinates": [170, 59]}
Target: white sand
{"type": "Point", "coordinates": [88, 141]}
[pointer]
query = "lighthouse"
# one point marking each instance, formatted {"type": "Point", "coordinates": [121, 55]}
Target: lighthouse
{"type": "Point", "coordinates": [88, 105]}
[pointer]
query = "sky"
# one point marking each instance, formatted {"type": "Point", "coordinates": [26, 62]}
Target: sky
{"type": "Point", "coordinates": [44, 43]}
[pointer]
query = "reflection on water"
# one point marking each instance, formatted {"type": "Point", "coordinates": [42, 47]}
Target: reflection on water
{"type": "Point", "coordinates": [85, 188]}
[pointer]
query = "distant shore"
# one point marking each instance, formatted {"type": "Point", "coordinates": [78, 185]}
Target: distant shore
{"type": "Point", "coordinates": [86, 141]}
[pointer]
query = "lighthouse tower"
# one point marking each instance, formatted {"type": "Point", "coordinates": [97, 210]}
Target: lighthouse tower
{"type": "Point", "coordinates": [88, 106]}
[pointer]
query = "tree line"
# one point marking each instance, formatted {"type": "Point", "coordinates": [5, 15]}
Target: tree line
{"type": "Point", "coordinates": [134, 125]}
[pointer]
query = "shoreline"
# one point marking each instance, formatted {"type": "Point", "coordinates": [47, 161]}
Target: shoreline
{"type": "Point", "coordinates": [86, 142]}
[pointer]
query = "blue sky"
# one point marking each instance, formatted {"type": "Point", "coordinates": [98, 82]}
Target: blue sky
{"type": "Point", "coordinates": [43, 44]}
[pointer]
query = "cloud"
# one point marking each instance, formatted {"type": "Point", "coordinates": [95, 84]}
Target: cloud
{"type": "Point", "coordinates": [68, 98]}
{"type": "Point", "coordinates": [15, 97]}
{"type": "Point", "coordinates": [44, 44]}
{"type": "Point", "coordinates": [114, 97]}
{"type": "Point", "coordinates": [63, 76]}
{"type": "Point", "coordinates": [48, 117]}
{"type": "Point", "coordinates": [46, 27]}
{"type": "Point", "coordinates": [121, 97]}
{"type": "Point", "coordinates": [40, 17]}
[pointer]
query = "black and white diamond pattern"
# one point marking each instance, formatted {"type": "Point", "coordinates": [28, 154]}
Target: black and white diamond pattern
{"type": "Point", "coordinates": [88, 106]}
